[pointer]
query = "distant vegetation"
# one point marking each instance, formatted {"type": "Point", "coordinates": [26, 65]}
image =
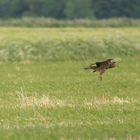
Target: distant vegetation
{"type": "Point", "coordinates": [49, 22]}
{"type": "Point", "coordinates": [70, 9]}
{"type": "Point", "coordinates": [19, 44]}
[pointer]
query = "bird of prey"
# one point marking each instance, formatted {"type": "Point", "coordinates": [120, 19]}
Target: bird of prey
{"type": "Point", "coordinates": [102, 66]}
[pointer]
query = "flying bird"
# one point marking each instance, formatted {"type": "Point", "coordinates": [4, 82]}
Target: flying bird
{"type": "Point", "coordinates": [102, 66]}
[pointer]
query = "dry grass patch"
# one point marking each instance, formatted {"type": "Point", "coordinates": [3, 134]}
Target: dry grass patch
{"type": "Point", "coordinates": [97, 102]}
{"type": "Point", "coordinates": [46, 102]}
{"type": "Point", "coordinates": [42, 102]}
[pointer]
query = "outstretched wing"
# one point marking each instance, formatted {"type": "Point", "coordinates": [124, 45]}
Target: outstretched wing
{"type": "Point", "coordinates": [99, 64]}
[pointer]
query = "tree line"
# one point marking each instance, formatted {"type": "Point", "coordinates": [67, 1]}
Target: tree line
{"type": "Point", "coordinates": [70, 9]}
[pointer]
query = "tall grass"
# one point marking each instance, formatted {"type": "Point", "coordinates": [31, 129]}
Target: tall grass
{"type": "Point", "coordinates": [67, 44]}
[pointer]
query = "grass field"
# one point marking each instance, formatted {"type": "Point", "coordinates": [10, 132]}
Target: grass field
{"type": "Point", "coordinates": [46, 94]}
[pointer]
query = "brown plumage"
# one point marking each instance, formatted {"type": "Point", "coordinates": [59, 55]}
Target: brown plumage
{"type": "Point", "coordinates": [102, 66]}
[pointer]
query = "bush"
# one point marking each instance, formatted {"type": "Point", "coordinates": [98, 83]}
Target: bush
{"type": "Point", "coordinates": [48, 22]}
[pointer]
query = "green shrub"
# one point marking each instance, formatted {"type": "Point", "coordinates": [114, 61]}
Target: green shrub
{"type": "Point", "coordinates": [48, 22]}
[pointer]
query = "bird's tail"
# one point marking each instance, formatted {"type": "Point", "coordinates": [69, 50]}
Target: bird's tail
{"type": "Point", "coordinates": [91, 68]}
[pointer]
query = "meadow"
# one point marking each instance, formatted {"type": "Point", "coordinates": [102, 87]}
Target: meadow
{"type": "Point", "coordinates": [46, 94]}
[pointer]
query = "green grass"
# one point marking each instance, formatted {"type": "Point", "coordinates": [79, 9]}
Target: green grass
{"type": "Point", "coordinates": [41, 99]}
